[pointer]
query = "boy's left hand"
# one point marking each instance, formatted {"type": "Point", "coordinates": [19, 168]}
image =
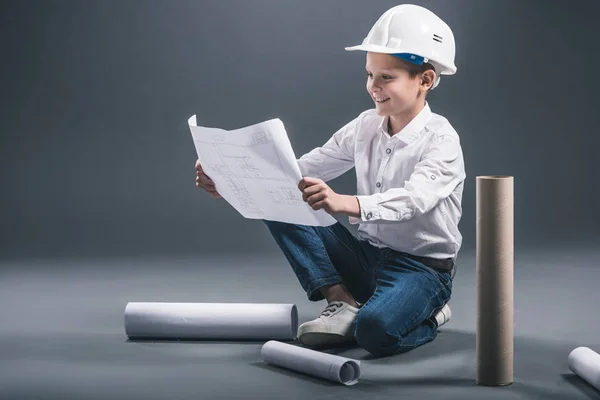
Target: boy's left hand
{"type": "Point", "coordinates": [319, 195]}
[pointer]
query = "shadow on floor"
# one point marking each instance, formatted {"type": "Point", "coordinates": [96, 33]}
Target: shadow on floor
{"type": "Point", "coordinates": [581, 385]}
{"type": "Point", "coordinates": [447, 341]}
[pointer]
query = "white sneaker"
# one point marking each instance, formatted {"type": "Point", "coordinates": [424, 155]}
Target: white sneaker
{"type": "Point", "coordinates": [334, 325]}
{"type": "Point", "coordinates": [443, 316]}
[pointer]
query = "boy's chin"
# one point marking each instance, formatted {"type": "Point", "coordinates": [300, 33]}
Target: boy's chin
{"type": "Point", "coordinates": [382, 113]}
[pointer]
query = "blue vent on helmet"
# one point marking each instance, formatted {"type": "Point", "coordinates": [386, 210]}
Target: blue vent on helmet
{"type": "Point", "coordinates": [413, 58]}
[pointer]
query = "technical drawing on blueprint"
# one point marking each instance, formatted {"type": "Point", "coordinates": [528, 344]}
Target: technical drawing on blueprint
{"type": "Point", "coordinates": [255, 170]}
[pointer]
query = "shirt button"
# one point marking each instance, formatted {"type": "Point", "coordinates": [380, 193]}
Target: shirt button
{"type": "Point", "coordinates": [388, 151]}
{"type": "Point", "coordinates": [433, 177]}
{"type": "Point", "coordinates": [369, 215]}
{"type": "Point", "coordinates": [378, 184]}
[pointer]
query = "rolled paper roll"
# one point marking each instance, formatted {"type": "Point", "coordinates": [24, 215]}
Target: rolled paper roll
{"type": "Point", "coordinates": [249, 321]}
{"type": "Point", "coordinates": [495, 280]}
{"type": "Point", "coordinates": [585, 362]}
{"type": "Point", "coordinates": [322, 365]}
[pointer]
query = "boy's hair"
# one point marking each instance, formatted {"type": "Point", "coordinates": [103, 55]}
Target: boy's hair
{"type": "Point", "coordinates": [415, 69]}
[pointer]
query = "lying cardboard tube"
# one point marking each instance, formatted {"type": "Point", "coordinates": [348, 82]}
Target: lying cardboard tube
{"type": "Point", "coordinates": [495, 279]}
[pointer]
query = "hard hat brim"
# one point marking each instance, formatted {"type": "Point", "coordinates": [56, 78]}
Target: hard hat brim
{"type": "Point", "coordinates": [447, 70]}
{"type": "Point", "coordinates": [374, 48]}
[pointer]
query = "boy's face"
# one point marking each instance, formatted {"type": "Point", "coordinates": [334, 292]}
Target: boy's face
{"type": "Point", "coordinates": [387, 78]}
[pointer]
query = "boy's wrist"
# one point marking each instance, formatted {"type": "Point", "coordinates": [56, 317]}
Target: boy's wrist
{"type": "Point", "coordinates": [351, 206]}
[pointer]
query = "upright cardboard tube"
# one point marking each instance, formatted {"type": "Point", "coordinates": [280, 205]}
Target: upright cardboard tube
{"type": "Point", "coordinates": [495, 280]}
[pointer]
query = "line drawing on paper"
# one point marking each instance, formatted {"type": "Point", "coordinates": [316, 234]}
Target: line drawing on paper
{"type": "Point", "coordinates": [238, 188]}
{"type": "Point", "coordinates": [243, 164]}
{"type": "Point", "coordinates": [285, 195]}
{"type": "Point", "coordinates": [239, 165]}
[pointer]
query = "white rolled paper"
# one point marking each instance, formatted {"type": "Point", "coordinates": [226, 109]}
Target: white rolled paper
{"type": "Point", "coordinates": [327, 366]}
{"type": "Point", "coordinates": [585, 362]}
{"type": "Point", "coordinates": [249, 321]}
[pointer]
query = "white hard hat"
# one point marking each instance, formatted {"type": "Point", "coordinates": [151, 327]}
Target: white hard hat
{"type": "Point", "coordinates": [415, 34]}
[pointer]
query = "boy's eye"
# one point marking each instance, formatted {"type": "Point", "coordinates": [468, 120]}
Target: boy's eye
{"type": "Point", "coordinates": [383, 76]}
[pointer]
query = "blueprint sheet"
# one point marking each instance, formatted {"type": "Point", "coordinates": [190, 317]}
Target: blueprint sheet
{"type": "Point", "coordinates": [255, 170]}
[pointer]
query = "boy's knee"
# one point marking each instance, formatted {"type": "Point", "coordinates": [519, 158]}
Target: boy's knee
{"type": "Point", "coordinates": [270, 223]}
{"type": "Point", "coordinates": [281, 225]}
{"type": "Point", "coordinates": [276, 226]}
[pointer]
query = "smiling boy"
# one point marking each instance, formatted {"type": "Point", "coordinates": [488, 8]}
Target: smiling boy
{"type": "Point", "coordinates": [389, 287]}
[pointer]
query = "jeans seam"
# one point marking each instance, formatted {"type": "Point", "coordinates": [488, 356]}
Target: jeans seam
{"type": "Point", "coordinates": [431, 298]}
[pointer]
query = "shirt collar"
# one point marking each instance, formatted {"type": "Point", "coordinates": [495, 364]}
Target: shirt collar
{"type": "Point", "coordinates": [411, 131]}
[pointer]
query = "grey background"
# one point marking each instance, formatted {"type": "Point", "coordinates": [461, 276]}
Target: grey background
{"type": "Point", "coordinates": [98, 204]}
{"type": "Point", "coordinates": [97, 160]}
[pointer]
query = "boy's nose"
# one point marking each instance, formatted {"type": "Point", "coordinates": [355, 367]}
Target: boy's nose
{"type": "Point", "coordinates": [372, 87]}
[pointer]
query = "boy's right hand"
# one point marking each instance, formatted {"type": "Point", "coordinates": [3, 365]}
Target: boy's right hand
{"type": "Point", "coordinates": [204, 182]}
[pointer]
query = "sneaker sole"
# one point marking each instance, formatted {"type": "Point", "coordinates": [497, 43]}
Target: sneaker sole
{"type": "Point", "coordinates": [316, 337]}
{"type": "Point", "coordinates": [321, 339]}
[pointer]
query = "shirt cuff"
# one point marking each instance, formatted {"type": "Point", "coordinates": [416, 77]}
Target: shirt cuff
{"type": "Point", "coordinates": [368, 210]}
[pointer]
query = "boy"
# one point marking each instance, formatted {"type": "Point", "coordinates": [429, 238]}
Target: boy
{"type": "Point", "coordinates": [387, 289]}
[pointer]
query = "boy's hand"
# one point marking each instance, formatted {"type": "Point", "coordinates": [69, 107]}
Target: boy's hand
{"type": "Point", "coordinates": [204, 182]}
{"type": "Point", "coordinates": [319, 195]}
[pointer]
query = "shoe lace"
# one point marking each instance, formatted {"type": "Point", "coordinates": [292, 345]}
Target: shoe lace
{"type": "Point", "coordinates": [331, 308]}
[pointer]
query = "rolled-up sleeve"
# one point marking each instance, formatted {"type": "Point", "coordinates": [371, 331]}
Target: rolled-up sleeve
{"type": "Point", "coordinates": [434, 178]}
{"type": "Point", "coordinates": [335, 157]}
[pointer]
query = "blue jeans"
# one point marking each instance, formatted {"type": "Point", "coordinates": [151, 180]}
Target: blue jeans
{"type": "Point", "coordinates": [400, 295]}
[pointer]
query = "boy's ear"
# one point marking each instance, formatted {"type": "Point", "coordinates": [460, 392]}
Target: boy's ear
{"type": "Point", "coordinates": [428, 79]}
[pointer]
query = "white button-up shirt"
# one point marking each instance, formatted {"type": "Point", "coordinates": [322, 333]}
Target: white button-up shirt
{"type": "Point", "coordinates": [409, 185]}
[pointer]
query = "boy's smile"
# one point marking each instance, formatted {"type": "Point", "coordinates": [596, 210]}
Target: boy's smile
{"type": "Point", "coordinates": [395, 92]}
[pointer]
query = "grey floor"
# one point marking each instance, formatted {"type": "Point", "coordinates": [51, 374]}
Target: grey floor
{"type": "Point", "coordinates": [62, 334]}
